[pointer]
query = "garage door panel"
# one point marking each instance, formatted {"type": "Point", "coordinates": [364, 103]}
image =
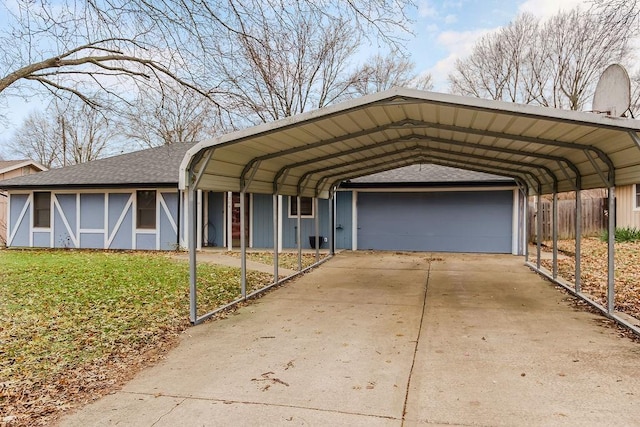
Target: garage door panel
{"type": "Point", "coordinates": [448, 222]}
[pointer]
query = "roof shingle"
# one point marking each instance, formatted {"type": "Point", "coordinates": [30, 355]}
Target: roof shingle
{"type": "Point", "coordinates": [153, 166]}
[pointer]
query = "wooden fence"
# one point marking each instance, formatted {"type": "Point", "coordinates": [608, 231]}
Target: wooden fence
{"type": "Point", "coordinates": [594, 218]}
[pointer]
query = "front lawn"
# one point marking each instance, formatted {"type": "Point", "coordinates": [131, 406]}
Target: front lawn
{"type": "Point", "coordinates": [594, 271]}
{"type": "Point", "coordinates": [74, 324]}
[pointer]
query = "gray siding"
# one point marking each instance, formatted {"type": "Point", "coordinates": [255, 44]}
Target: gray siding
{"type": "Point", "coordinates": [215, 223]}
{"type": "Point", "coordinates": [21, 237]}
{"type": "Point", "coordinates": [445, 222]}
{"type": "Point", "coordinates": [94, 220]}
{"type": "Point", "coordinates": [92, 208]}
{"type": "Point", "coordinates": [289, 225]}
{"type": "Point", "coordinates": [344, 219]}
{"type": "Point", "coordinates": [262, 226]}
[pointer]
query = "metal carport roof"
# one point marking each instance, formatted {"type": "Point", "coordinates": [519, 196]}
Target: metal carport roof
{"type": "Point", "coordinates": [545, 148]}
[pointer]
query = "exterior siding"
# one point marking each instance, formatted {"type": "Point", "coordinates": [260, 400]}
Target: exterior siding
{"type": "Point", "coordinates": [262, 225]}
{"type": "Point", "coordinates": [18, 171]}
{"type": "Point", "coordinates": [215, 220]}
{"type": "Point", "coordinates": [289, 225]}
{"type": "Point", "coordinates": [96, 220]}
{"type": "Point", "coordinates": [626, 214]}
{"type": "Point", "coordinates": [344, 219]}
{"type": "Point", "coordinates": [19, 224]}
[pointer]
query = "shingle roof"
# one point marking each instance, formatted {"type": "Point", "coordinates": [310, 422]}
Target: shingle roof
{"type": "Point", "coordinates": [428, 173]}
{"type": "Point", "coordinates": [154, 166]}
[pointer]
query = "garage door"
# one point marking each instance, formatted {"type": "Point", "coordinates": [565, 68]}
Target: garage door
{"type": "Point", "coordinates": [444, 222]}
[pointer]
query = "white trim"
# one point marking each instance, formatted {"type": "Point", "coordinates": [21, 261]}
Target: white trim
{"type": "Point", "coordinates": [428, 190]}
{"type": "Point", "coordinates": [118, 223]}
{"type": "Point", "coordinates": [78, 219]}
{"type": "Point", "coordinates": [280, 200]}
{"type": "Point", "coordinates": [23, 212]}
{"type": "Point", "coordinates": [199, 219]}
{"type": "Point", "coordinates": [636, 208]}
{"type": "Point", "coordinates": [65, 221]}
{"type": "Point", "coordinates": [164, 206]}
{"type": "Point", "coordinates": [205, 216]}
{"type": "Point", "coordinates": [228, 224]}
{"type": "Point", "coordinates": [514, 222]}
{"type": "Point", "coordinates": [354, 220]}
{"type": "Point", "coordinates": [250, 225]}
{"type": "Point", "coordinates": [145, 231]}
{"type": "Point", "coordinates": [290, 205]}
{"type": "Point", "coordinates": [106, 221]}
{"type": "Point", "coordinates": [90, 230]}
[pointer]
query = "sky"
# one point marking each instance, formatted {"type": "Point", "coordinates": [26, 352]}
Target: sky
{"type": "Point", "coordinates": [447, 29]}
{"type": "Point", "coordinates": [444, 31]}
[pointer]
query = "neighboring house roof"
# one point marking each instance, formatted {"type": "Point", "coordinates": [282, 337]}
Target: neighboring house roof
{"type": "Point", "coordinates": [157, 166]}
{"type": "Point", "coordinates": [427, 174]}
{"type": "Point", "coordinates": [10, 165]}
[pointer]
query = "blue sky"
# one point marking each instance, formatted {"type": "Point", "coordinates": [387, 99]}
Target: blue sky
{"type": "Point", "coordinates": [444, 30]}
{"type": "Point", "coordinates": [447, 29]}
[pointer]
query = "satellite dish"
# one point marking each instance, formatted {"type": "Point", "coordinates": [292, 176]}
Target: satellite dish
{"type": "Point", "coordinates": [613, 92]}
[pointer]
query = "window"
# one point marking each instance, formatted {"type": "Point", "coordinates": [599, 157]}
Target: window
{"type": "Point", "coordinates": [42, 209]}
{"type": "Point", "coordinates": [306, 207]}
{"type": "Point", "coordinates": [146, 209]}
{"type": "Point", "coordinates": [636, 190]}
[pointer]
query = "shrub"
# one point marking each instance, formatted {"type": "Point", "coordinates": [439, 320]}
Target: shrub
{"type": "Point", "coordinates": [626, 234]}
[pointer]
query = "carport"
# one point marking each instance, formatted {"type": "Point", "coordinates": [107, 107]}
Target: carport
{"type": "Point", "coordinates": [545, 150]}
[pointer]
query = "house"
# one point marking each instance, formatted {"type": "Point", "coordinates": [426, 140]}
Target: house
{"type": "Point", "coordinates": [132, 201]}
{"type": "Point", "coordinates": [628, 206]}
{"type": "Point", "coordinates": [11, 169]}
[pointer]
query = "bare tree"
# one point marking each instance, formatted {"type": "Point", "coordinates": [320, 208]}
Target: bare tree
{"type": "Point", "coordinates": [170, 116]}
{"type": "Point", "coordinates": [556, 63]}
{"type": "Point", "coordinates": [384, 72]}
{"type": "Point", "coordinates": [63, 135]}
{"type": "Point", "coordinates": [283, 64]}
{"type": "Point", "coordinates": [80, 49]}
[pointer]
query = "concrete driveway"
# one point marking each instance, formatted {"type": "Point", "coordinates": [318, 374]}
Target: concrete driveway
{"type": "Point", "coordinates": [392, 339]}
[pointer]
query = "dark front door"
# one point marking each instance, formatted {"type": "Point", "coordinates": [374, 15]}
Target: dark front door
{"type": "Point", "coordinates": [235, 220]}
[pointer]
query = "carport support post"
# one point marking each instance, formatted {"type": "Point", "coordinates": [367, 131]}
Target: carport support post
{"type": "Point", "coordinates": [243, 247]}
{"type": "Point", "coordinates": [611, 251]}
{"type": "Point", "coordinates": [193, 288]}
{"type": "Point", "coordinates": [299, 232]}
{"type": "Point", "coordinates": [275, 238]}
{"type": "Point", "coordinates": [317, 224]}
{"type": "Point", "coordinates": [332, 224]}
{"type": "Point", "coordinates": [578, 225]}
{"type": "Point", "coordinates": [555, 235]}
{"type": "Point", "coordinates": [538, 227]}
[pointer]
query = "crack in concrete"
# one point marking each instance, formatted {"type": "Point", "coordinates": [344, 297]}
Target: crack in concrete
{"type": "Point", "coordinates": [168, 412]}
{"type": "Point", "coordinates": [248, 402]}
{"type": "Point", "coordinates": [417, 341]}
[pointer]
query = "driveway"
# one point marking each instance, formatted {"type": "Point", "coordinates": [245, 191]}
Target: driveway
{"type": "Point", "coordinates": [392, 339]}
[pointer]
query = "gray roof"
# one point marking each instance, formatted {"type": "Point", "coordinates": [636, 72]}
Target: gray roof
{"type": "Point", "coordinates": [428, 173]}
{"type": "Point", "coordinates": [151, 167]}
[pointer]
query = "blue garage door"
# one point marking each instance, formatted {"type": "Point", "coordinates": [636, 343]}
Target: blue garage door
{"type": "Point", "coordinates": [443, 222]}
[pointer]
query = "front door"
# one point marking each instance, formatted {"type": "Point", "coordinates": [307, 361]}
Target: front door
{"type": "Point", "coordinates": [235, 220]}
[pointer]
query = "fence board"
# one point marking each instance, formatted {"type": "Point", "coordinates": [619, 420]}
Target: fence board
{"type": "Point", "coordinates": [594, 218]}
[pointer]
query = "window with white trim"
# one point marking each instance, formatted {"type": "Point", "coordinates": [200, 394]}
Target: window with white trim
{"type": "Point", "coordinates": [306, 207]}
{"type": "Point", "coordinates": [146, 209]}
{"type": "Point", "coordinates": [42, 209]}
{"type": "Point", "coordinates": [636, 192]}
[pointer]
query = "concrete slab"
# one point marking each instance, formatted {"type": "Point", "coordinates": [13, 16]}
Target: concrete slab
{"type": "Point", "coordinates": [392, 339]}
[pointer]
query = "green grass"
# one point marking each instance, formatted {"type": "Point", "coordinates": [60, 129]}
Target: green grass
{"type": "Point", "coordinates": [626, 234]}
{"type": "Point", "coordinates": [60, 310]}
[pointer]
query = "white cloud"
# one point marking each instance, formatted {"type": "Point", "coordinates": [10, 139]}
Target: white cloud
{"type": "Point", "coordinates": [426, 10]}
{"type": "Point", "coordinates": [458, 44]}
{"type": "Point", "coordinates": [546, 8]}
{"type": "Point", "coordinates": [450, 19]}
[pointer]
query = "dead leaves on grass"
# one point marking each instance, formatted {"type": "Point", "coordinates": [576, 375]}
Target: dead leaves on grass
{"type": "Point", "coordinates": [594, 272]}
